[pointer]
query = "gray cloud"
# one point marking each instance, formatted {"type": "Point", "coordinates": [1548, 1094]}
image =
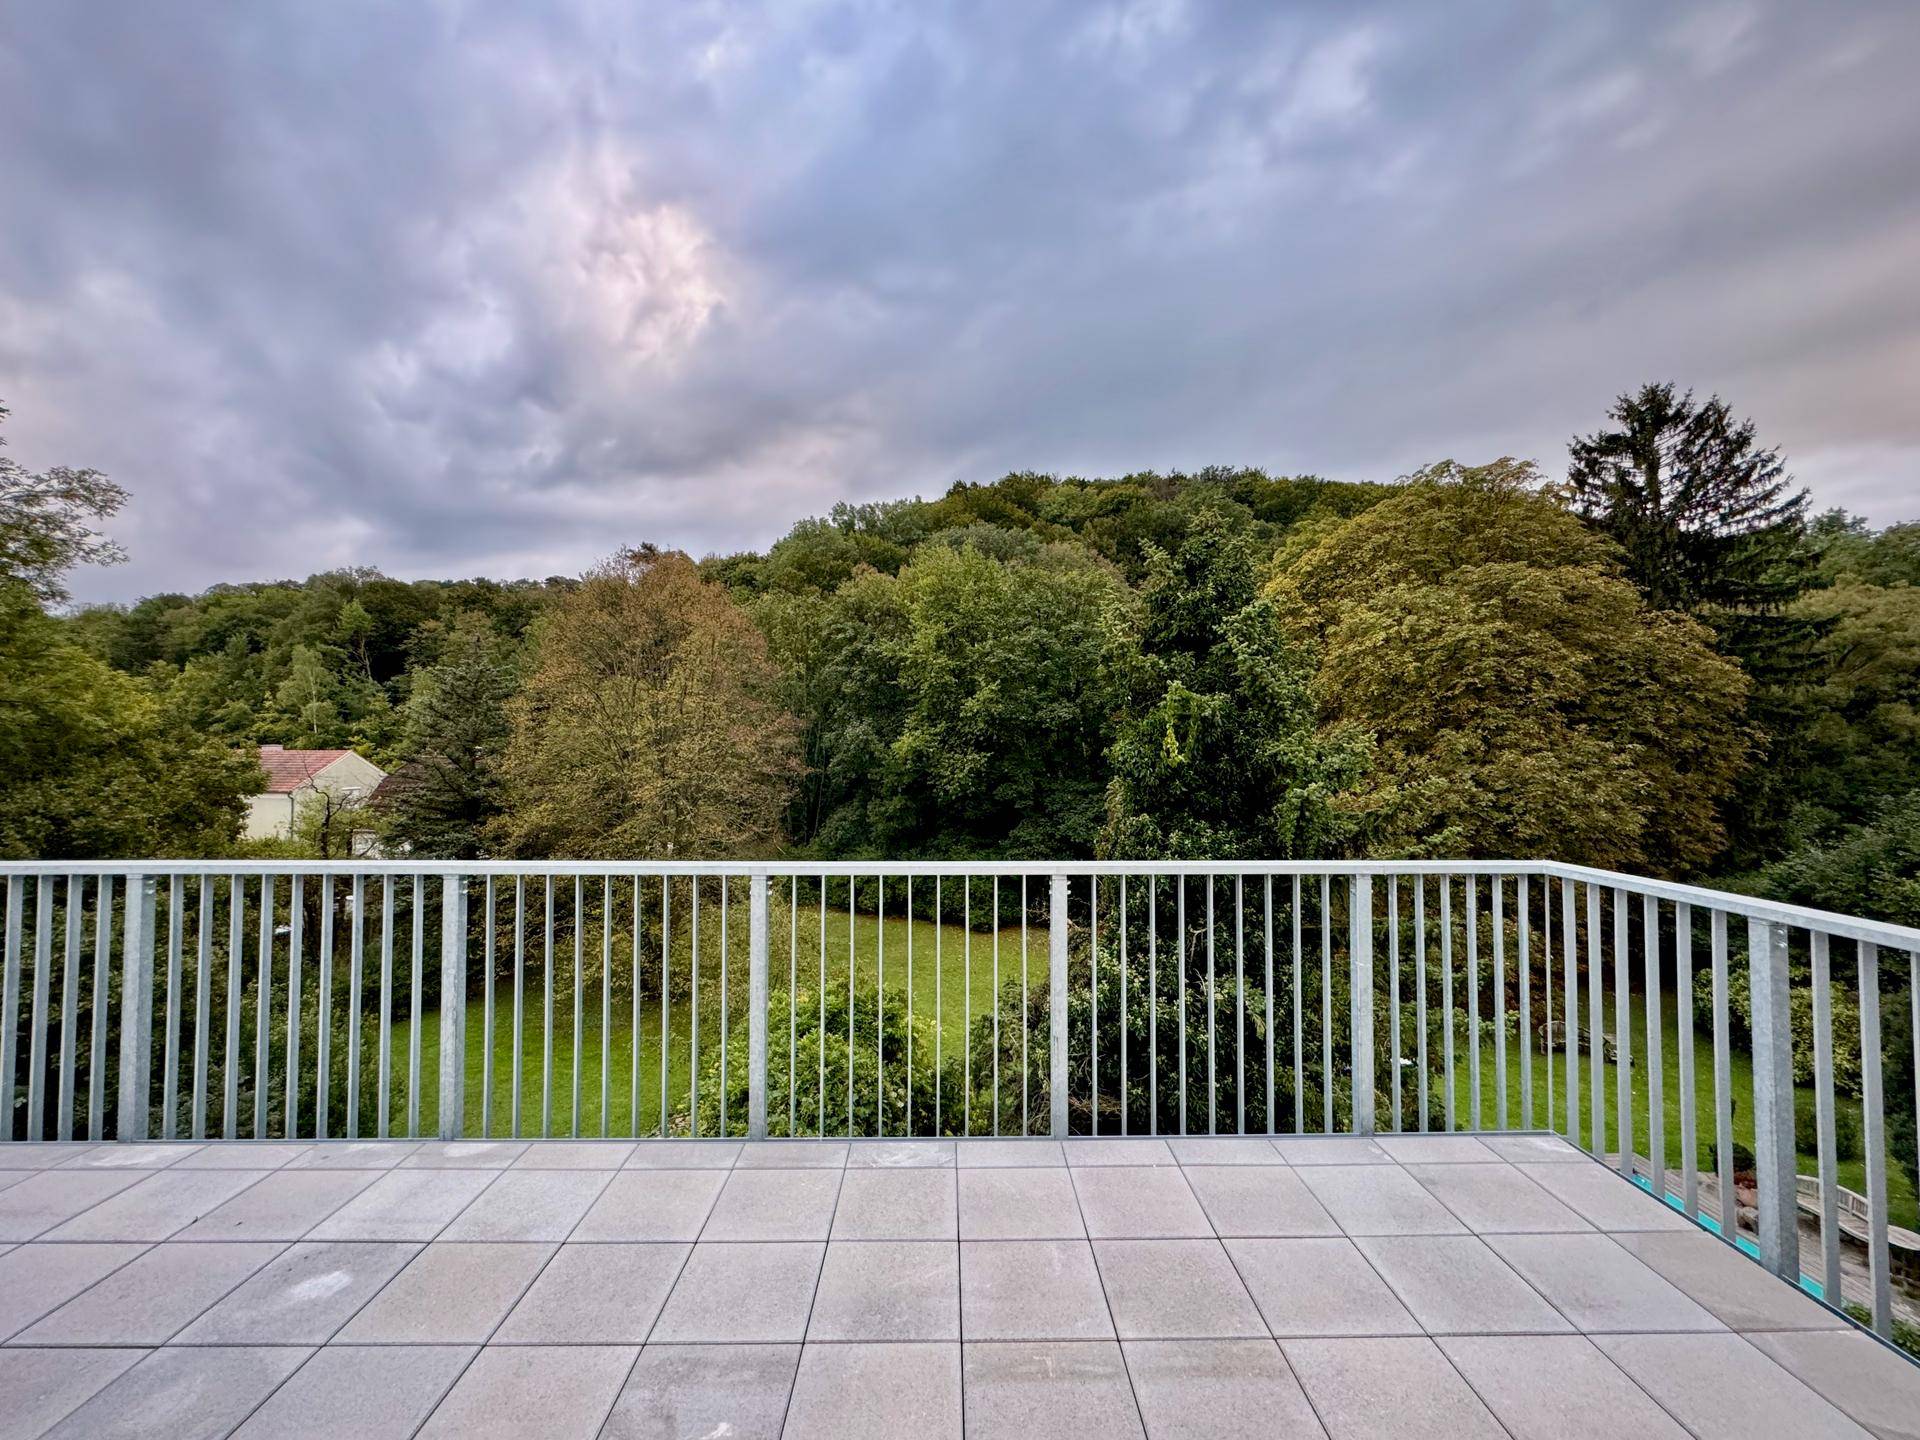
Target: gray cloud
{"type": "Point", "coordinates": [474, 287]}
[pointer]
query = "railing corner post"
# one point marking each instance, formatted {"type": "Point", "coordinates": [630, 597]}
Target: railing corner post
{"type": "Point", "coordinates": [758, 999]}
{"type": "Point", "coordinates": [1773, 1097]}
{"type": "Point", "coordinates": [1360, 988]}
{"type": "Point", "coordinates": [136, 1013]}
{"type": "Point", "coordinates": [1057, 1005]}
{"type": "Point", "coordinates": [453, 1005]}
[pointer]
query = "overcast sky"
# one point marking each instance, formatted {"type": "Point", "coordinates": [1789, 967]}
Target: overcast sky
{"type": "Point", "coordinates": [495, 288]}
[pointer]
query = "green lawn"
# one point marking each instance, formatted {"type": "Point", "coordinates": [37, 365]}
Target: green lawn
{"type": "Point", "coordinates": [879, 951]}
{"type": "Point", "coordinates": [1901, 1203]}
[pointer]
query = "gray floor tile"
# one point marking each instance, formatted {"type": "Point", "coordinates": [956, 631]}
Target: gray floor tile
{"type": "Point", "coordinates": [303, 1297]}
{"type": "Point", "coordinates": [1728, 1283]}
{"type": "Point", "coordinates": [576, 1155]}
{"type": "Point", "coordinates": [1092, 1151]}
{"type": "Point", "coordinates": [359, 1392]}
{"type": "Point", "coordinates": [242, 1155]}
{"type": "Point", "coordinates": [1496, 1199]}
{"type": "Point", "coordinates": [1368, 1200]}
{"type": "Point", "coordinates": [10, 1178]}
{"type": "Point", "coordinates": [1455, 1285]}
{"type": "Point", "coordinates": [283, 1206]}
{"type": "Point", "coordinates": [1049, 1391]}
{"type": "Point", "coordinates": [1016, 1204]}
{"type": "Point", "coordinates": [1875, 1386]}
{"type": "Point", "coordinates": [888, 1290]}
{"type": "Point", "coordinates": [1218, 1390]}
{"type": "Point", "coordinates": [1007, 1154]}
{"type": "Point", "coordinates": [1224, 1150]}
{"type": "Point", "coordinates": [1318, 1287]}
{"type": "Point", "coordinates": [43, 1154]}
{"type": "Point", "coordinates": [530, 1205]}
{"type": "Point", "coordinates": [595, 1295]}
{"type": "Point", "coordinates": [36, 1280]}
{"type": "Point", "coordinates": [1556, 1385]}
{"type": "Point", "coordinates": [405, 1205]}
{"type": "Point", "coordinates": [1435, 1149]}
{"type": "Point", "coordinates": [1329, 1150]}
{"type": "Point", "coordinates": [1031, 1290]}
{"type": "Point", "coordinates": [897, 1205]}
{"type": "Point", "coordinates": [53, 1197]}
{"type": "Point", "coordinates": [794, 1155]}
{"type": "Point", "coordinates": [1605, 1199]}
{"type": "Point", "coordinates": [684, 1155]}
{"type": "Point", "coordinates": [676, 1391]}
{"type": "Point", "coordinates": [354, 1155]}
{"type": "Point", "coordinates": [159, 1206]}
{"type": "Point", "coordinates": [465, 1155]}
{"type": "Point", "coordinates": [149, 1300]}
{"type": "Point", "coordinates": [652, 1205]}
{"type": "Point", "coordinates": [156, 1156]}
{"type": "Point", "coordinates": [1123, 1203]}
{"type": "Point", "coordinates": [900, 1154]}
{"type": "Point", "coordinates": [555, 1392]}
{"type": "Point", "coordinates": [1388, 1390]}
{"type": "Point", "coordinates": [1722, 1388]}
{"type": "Point", "coordinates": [451, 1294]}
{"type": "Point", "coordinates": [202, 1393]}
{"type": "Point", "coordinates": [774, 1205]}
{"type": "Point", "coordinates": [1258, 1200]}
{"type": "Point", "coordinates": [742, 1293]}
{"type": "Point", "coordinates": [38, 1387]}
{"type": "Point", "coordinates": [876, 1392]}
{"type": "Point", "coordinates": [1175, 1289]}
{"type": "Point", "coordinates": [1599, 1286]}
{"type": "Point", "coordinates": [1538, 1149]}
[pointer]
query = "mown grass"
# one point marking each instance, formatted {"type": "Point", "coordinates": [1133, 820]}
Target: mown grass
{"type": "Point", "coordinates": [945, 989]}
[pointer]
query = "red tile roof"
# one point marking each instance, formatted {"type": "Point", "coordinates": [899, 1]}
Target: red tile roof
{"type": "Point", "coordinates": [287, 770]}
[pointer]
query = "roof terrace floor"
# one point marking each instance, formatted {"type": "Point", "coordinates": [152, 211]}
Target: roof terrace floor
{"type": "Point", "coordinates": [1454, 1286]}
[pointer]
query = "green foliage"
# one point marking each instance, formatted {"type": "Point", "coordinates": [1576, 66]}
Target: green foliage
{"type": "Point", "coordinates": [1523, 697]}
{"type": "Point", "coordinates": [1218, 754]}
{"type": "Point", "coordinates": [46, 524]}
{"type": "Point", "coordinates": [448, 792]}
{"type": "Point", "coordinates": [1871, 869]}
{"type": "Point", "coordinates": [889, 1098]}
{"type": "Point", "coordinates": [1846, 1019]}
{"type": "Point", "coordinates": [1846, 1128]}
{"type": "Point", "coordinates": [959, 708]}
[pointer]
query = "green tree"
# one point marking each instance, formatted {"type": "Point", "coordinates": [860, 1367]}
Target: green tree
{"type": "Point", "coordinates": [1524, 698]}
{"type": "Point", "coordinates": [47, 524]}
{"type": "Point", "coordinates": [648, 725]}
{"type": "Point", "coordinates": [961, 708]}
{"type": "Point", "coordinates": [1218, 754]}
{"type": "Point", "coordinates": [1706, 520]}
{"type": "Point", "coordinates": [448, 791]}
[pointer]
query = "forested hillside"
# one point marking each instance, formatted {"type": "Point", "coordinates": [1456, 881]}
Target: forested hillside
{"type": "Point", "coordinates": [1665, 663]}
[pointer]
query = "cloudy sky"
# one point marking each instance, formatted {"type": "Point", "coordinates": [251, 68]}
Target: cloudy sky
{"type": "Point", "coordinates": [470, 288]}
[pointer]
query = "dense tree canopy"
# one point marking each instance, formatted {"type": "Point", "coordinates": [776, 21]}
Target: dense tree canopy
{"type": "Point", "coordinates": [1524, 699]}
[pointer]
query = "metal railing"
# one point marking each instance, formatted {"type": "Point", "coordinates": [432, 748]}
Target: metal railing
{"type": "Point", "coordinates": [385, 997]}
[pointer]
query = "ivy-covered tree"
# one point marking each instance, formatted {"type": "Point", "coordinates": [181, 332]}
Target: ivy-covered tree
{"type": "Point", "coordinates": [1218, 753]}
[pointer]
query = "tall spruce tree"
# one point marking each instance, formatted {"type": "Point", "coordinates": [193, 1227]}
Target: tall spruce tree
{"type": "Point", "coordinates": [441, 800]}
{"type": "Point", "coordinates": [1708, 521]}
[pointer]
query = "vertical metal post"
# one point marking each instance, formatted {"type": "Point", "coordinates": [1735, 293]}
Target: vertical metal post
{"type": "Point", "coordinates": [1875, 1115]}
{"type": "Point", "coordinates": [1722, 1079]}
{"type": "Point", "coordinates": [1623, 1036]}
{"type": "Point", "coordinates": [37, 1037]}
{"type": "Point", "coordinates": [1689, 1123]}
{"type": "Point", "coordinates": [1823, 1114]}
{"type": "Point", "coordinates": [1570, 1011]}
{"type": "Point", "coordinates": [1773, 1097]}
{"type": "Point", "coordinates": [1057, 1004]}
{"type": "Point", "coordinates": [453, 1005]}
{"type": "Point", "coordinates": [1656, 1048]}
{"type": "Point", "coordinates": [757, 1001]}
{"type": "Point", "coordinates": [10, 998]}
{"type": "Point", "coordinates": [1360, 985]}
{"type": "Point", "coordinates": [136, 1009]}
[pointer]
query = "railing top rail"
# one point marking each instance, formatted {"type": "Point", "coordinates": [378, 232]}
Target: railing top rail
{"type": "Point", "coordinates": [1896, 937]}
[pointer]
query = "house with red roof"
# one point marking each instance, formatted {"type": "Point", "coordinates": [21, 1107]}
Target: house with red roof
{"type": "Point", "coordinates": [295, 777]}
